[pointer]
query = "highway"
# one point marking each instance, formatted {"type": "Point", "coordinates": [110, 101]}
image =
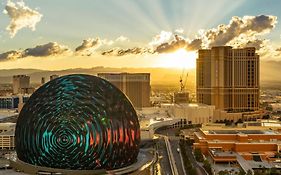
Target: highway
{"type": "Point", "coordinates": [171, 155]}
{"type": "Point", "coordinates": [165, 167]}
{"type": "Point", "coordinates": [176, 167]}
{"type": "Point", "coordinates": [174, 143]}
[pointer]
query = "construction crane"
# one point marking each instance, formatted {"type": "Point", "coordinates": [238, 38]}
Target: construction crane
{"type": "Point", "coordinates": [182, 96]}
{"type": "Point", "coordinates": [183, 83]}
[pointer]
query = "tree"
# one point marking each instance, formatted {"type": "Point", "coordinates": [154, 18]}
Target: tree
{"type": "Point", "coordinates": [241, 172]}
{"type": "Point", "coordinates": [274, 171]}
{"type": "Point", "coordinates": [249, 172]}
{"type": "Point", "coordinates": [198, 155]}
{"type": "Point", "coordinates": [277, 155]}
{"type": "Point", "coordinates": [224, 173]}
{"type": "Point", "coordinates": [207, 166]}
{"type": "Point", "coordinates": [266, 116]}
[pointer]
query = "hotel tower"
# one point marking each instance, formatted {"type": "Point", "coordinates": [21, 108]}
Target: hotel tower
{"type": "Point", "coordinates": [228, 78]}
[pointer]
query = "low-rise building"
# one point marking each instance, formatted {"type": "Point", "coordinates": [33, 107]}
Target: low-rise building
{"type": "Point", "coordinates": [193, 113]}
{"type": "Point", "coordinates": [12, 102]}
{"type": "Point", "coordinates": [7, 136]}
{"type": "Point", "coordinates": [220, 115]}
{"type": "Point", "coordinates": [249, 146]}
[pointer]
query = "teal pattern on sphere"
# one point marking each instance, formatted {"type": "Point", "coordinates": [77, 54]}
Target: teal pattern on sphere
{"type": "Point", "coordinates": [78, 122]}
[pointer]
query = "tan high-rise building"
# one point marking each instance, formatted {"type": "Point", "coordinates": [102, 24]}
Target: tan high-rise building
{"type": "Point", "coordinates": [20, 83]}
{"type": "Point", "coordinates": [228, 78]}
{"type": "Point", "coordinates": [135, 85]}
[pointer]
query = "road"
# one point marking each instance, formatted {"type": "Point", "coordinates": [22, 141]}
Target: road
{"type": "Point", "coordinates": [163, 157]}
{"type": "Point", "coordinates": [174, 142]}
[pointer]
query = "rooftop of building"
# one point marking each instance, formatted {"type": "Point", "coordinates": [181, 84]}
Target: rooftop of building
{"type": "Point", "coordinates": [193, 105]}
{"type": "Point", "coordinates": [260, 132]}
{"type": "Point", "coordinates": [121, 73]}
{"type": "Point", "coordinates": [7, 113]}
{"type": "Point", "coordinates": [264, 123]}
{"type": "Point", "coordinates": [264, 126]}
{"type": "Point", "coordinates": [20, 76]}
{"type": "Point", "coordinates": [8, 133]}
{"type": "Point", "coordinates": [244, 48]}
{"type": "Point", "coordinates": [14, 96]}
{"type": "Point", "coordinates": [220, 153]}
{"type": "Point", "coordinates": [7, 124]}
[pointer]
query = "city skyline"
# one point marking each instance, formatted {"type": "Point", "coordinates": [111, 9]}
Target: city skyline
{"type": "Point", "coordinates": [50, 36]}
{"type": "Point", "coordinates": [140, 87]}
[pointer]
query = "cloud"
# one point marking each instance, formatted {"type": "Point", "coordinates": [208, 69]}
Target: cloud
{"type": "Point", "coordinates": [180, 31]}
{"type": "Point", "coordinates": [240, 32]}
{"type": "Point", "coordinates": [244, 31]}
{"type": "Point", "coordinates": [46, 50]}
{"type": "Point", "coordinates": [163, 37]}
{"type": "Point", "coordinates": [124, 52]}
{"type": "Point", "coordinates": [194, 44]}
{"type": "Point", "coordinates": [10, 55]}
{"type": "Point", "coordinates": [278, 49]}
{"type": "Point", "coordinates": [257, 43]}
{"type": "Point", "coordinates": [88, 46]}
{"type": "Point", "coordinates": [172, 46]}
{"type": "Point", "coordinates": [21, 16]}
{"type": "Point", "coordinates": [49, 49]}
{"type": "Point", "coordinates": [248, 25]}
{"type": "Point", "coordinates": [178, 43]}
{"type": "Point", "coordinates": [122, 39]}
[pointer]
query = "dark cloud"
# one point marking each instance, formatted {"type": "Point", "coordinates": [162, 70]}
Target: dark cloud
{"type": "Point", "coordinates": [258, 44]}
{"type": "Point", "coordinates": [49, 49]}
{"type": "Point", "coordinates": [10, 55]}
{"type": "Point", "coordinates": [248, 25]}
{"type": "Point", "coordinates": [194, 45]}
{"type": "Point", "coordinates": [124, 52]}
{"type": "Point", "coordinates": [178, 43]}
{"type": "Point", "coordinates": [278, 50]}
{"type": "Point", "coordinates": [88, 46]}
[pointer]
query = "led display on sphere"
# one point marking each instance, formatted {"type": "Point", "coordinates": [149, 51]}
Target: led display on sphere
{"type": "Point", "coordinates": [78, 122]}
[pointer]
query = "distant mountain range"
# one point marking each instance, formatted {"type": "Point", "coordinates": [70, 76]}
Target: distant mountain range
{"type": "Point", "coordinates": [270, 74]}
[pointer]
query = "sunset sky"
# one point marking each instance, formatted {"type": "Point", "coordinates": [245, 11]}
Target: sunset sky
{"type": "Point", "coordinates": [61, 34]}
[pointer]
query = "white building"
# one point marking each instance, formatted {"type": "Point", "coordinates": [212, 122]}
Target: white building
{"type": "Point", "coordinates": [193, 113]}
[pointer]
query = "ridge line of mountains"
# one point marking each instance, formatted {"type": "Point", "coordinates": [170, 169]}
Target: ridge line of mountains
{"type": "Point", "coordinates": [270, 74]}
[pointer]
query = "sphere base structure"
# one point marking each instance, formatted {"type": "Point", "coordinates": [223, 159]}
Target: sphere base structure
{"type": "Point", "coordinates": [142, 166]}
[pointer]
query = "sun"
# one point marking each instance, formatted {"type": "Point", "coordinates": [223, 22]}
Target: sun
{"type": "Point", "coordinates": [179, 59]}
